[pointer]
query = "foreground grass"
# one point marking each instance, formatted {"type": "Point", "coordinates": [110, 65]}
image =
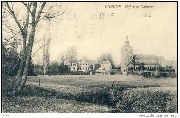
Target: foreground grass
{"type": "Point", "coordinates": [95, 94]}
{"type": "Point", "coordinates": [38, 100]}
{"type": "Point", "coordinates": [147, 101]}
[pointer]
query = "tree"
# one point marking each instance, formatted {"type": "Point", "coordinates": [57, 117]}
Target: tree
{"type": "Point", "coordinates": [50, 15]}
{"type": "Point", "coordinates": [26, 23]}
{"type": "Point", "coordinates": [10, 60]}
{"type": "Point", "coordinates": [63, 69]}
{"type": "Point", "coordinates": [106, 56]}
{"type": "Point", "coordinates": [62, 59]}
{"type": "Point", "coordinates": [132, 62]}
{"type": "Point", "coordinates": [96, 66]}
{"type": "Point", "coordinates": [54, 68]}
{"type": "Point", "coordinates": [31, 68]}
{"type": "Point", "coordinates": [69, 56]}
{"type": "Point", "coordinates": [27, 29]}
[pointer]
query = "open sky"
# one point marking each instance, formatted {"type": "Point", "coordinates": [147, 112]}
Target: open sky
{"type": "Point", "coordinates": [95, 28]}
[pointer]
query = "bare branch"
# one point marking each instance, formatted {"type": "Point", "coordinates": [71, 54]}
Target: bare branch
{"type": "Point", "coordinates": [63, 12]}
{"type": "Point", "coordinates": [27, 17]}
{"type": "Point", "coordinates": [15, 18]}
{"type": "Point", "coordinates": [37, 50]}
{"type": "Point", "coordinates": [27, 6]}
{"type": "Point", "coordinates": [50, 16]}
{"type": "Point", "coordinates": [40, 11]}
{"type": "Point", "coordinates": [11, 30]}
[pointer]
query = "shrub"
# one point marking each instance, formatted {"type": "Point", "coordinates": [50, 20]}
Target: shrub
{"type": "Point", "coordinates": [7, 85]}
{"type": "Point", "coordinates": [147, 102]}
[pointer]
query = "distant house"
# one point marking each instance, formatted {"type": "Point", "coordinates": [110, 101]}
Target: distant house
{"type": "Point", "coordinates": [82, 66]}
{"type": "Point", "coordinates": [85, 65]}
{"type": "Point", "coordinates": [105, 68]}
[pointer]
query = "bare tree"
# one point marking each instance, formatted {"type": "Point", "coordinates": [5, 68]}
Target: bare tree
{"type": "Point", "coordinates": [106, 56]}
{"type": "Point", "coordinates": [131, 61]}
{"type": "Point", "coordinates": [53, 10]}
{"type": "Point", "coordinates": [27, 24]}
{"type": "Point", "coordinates": [69, 56]}
{"type": "Point", "coordinates": [62, 59]}
{"type": "Point", "coordinates": [27, 29]}
{"type": "Point", "coordinates": [23, 27]}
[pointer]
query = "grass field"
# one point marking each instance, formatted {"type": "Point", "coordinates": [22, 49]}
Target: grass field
{"type": "Point", "coordinates": [86, 93]}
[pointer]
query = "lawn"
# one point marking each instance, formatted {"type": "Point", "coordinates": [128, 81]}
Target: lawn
{"type": "Point", "coordinates": [94, 94]}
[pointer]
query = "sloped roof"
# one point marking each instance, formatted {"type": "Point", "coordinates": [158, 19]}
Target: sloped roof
{"type": "Point", "coordinates": [106, 62]}
{"type": "Point", "coordinates": [86, 61]}
{"type": "Point", "coordinates": [172, 63]}
{"type": "Point", "coordinates": [161, 58]}
{"type": "Point", "coordinates": [146, 56]}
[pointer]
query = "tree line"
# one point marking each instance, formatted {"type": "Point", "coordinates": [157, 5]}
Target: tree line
{"type": "Point", "coordinates": [66, 59]}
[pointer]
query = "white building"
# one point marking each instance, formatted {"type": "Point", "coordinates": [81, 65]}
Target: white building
{"type": "Point", "coordinates": [82, 66]}
{"type": "Point", "coordinates": [105, 68]}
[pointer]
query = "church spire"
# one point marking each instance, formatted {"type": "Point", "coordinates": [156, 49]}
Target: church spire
{"type": "Point", "coordinates": [127, 42]}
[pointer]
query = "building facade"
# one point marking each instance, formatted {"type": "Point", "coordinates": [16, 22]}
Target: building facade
{"type": "Point", "coordinates": [82, 66]}
{"type": "Point", "coordinates": [105, 68]}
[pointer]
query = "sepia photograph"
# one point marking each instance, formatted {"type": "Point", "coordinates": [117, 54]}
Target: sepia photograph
{"type": "Point", "coordinates": [89, 57]}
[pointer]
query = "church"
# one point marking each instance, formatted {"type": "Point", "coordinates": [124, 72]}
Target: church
{"type": "Point", "coordinates": [138, 62]}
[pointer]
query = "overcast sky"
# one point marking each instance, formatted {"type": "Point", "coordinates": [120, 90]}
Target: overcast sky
{"type": "Point", "coordinates": [94, 28]}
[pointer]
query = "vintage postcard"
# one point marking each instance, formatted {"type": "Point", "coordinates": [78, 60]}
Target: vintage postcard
{"type": "Point", "coordinates": [89, 57]}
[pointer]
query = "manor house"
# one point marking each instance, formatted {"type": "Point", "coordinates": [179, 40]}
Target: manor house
{"type": "Point", "coordinates": [85, 65]}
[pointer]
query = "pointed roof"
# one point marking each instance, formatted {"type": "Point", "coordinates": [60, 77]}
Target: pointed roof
{"type": "Point", "coordinates": [126, 41]}
{"type": "Point", "coordinates": [106, 62]}
{"type": "Point", "coordinates": [126, 45]}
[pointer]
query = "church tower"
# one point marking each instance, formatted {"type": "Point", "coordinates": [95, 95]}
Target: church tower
{"type": "Point", "coordinates": [126, 56]}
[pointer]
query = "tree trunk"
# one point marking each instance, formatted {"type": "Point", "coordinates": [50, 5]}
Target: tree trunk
{"type": "Point", "coordinates": [27, 56]}
{"type": "Point", "coordinates": [20, 70]}
{"type": "Point", "coordinates": [23, 77]}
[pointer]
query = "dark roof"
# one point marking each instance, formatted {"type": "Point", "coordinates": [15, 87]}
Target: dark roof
{"type": "Point", "coordinates": [106, 62]}
{"type": "Point", "coordinates": [146, 56]}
